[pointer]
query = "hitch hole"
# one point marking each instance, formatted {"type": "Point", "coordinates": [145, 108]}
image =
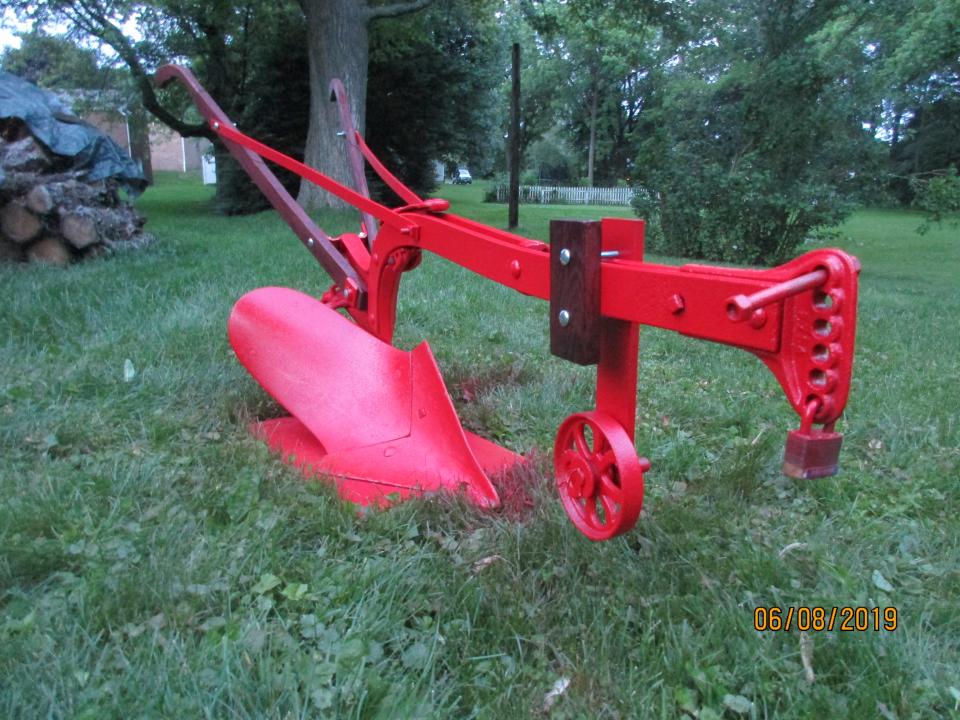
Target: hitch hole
{"type": "Point", "coordinates": [822, 300]}
{"type": "Point", "coordinates": [818, 378]}
{"type": "Point", "coordinates": [822, 327]}
{"type": "Point", "coordinates": [821, 353]}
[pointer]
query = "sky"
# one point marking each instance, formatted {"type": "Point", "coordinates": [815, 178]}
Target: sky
{"type": "Point", "coordinates": [8, 26]}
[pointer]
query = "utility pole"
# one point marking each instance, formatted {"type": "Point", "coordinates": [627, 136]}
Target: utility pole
{"type": "Point", "coordinates": [514, 199]}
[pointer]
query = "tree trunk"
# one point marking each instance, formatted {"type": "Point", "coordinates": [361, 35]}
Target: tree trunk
{"type": "Point", "coordinates": [591, 151]}
{"type": "Point", "coordinates": [513, 210]}
{"type": "Point", "coordinates": [338, 47]}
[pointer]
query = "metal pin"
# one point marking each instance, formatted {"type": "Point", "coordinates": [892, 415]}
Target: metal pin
{"type": "Point", "coordinates": [340, 133]}
{"type": "Point", "coordinates": [610, 253]}
{"type": "Point", "coordinates": [310, 242]}
{"type": "Point", "coordinates": [346, 293]}
{"type": "Point", "coordinates": [216, 125]}
{"type": "Point", "coordinates": [564, 257]}
{"type": "Point", "coordinates": [564, 318]}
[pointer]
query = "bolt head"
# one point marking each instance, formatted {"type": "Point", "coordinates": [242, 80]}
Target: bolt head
{"type": "Point", "coordinates": [346, 293]}
{"type": "Point", "coordinates": [216, 125]}
{"type": "Point", "coordinates": [311, 242]}
{"type": "Point", "coordinates": [564, 318]}
{"type": "Point", "coordinates": [565, 257]}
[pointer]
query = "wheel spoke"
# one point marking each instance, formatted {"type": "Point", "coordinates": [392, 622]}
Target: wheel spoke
{"type": "Point", "coordinates": [580, 441]}
{"type": "Point", "coordinates": [597, 439]}
{"type": "Point", "coordinates": [606, 460]}
{"type": "Point", "coordinates": [591, 515]}
{"type": "Point", "coordinates": [610, 489]}
{"type": "Point", "coordinates": [611, 509]}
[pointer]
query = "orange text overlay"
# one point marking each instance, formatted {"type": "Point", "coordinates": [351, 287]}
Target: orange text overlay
{"type": "Point", "coordinates": [818, 619]}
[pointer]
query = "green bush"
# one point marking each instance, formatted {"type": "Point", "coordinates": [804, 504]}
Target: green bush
{"type": "Point", "coordinates": [744, 211]}
{"type": "Point", "coordinates": [938, 196]}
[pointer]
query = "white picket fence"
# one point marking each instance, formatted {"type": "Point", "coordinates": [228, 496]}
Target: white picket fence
{"type": "Point", "coordinates": [553, 195]}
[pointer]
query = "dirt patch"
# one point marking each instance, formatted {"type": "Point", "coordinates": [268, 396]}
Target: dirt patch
{"type": "Point", "coordinates": [523, 486]}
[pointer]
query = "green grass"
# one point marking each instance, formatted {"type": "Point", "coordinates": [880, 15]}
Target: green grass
{"type": "Point", "coordinates": [155, 561]}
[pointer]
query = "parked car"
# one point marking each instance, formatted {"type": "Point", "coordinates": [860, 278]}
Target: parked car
{"type": "Point", "coordinates": [462, 177]}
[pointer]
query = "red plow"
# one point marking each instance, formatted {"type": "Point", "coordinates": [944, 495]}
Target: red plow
{"type": "Point", "coordinates": [378, 420]}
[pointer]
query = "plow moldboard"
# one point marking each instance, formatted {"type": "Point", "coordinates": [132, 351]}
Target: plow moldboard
{"type": "Point", "coordinates": [376, 418]}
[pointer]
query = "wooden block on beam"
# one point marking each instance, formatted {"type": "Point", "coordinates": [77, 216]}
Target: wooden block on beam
{"type": "Point", "coordinates": [575, 290]}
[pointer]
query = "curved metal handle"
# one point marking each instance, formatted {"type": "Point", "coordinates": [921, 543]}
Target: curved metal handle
{"type": "Point", "coordinates": [313, 238]}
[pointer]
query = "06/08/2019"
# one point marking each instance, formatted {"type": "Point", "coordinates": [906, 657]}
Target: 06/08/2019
{"type": "Point", "coordinates": [818, 619]}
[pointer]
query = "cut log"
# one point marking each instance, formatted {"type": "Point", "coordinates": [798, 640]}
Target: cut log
{"type": "Point", "coordinates": [96, 251]}
{"type": "Point", "coordinates": [50, 251]}
{"type": "Point", "coordinates": [39, 200]}
{"type": "Point", "coordinates": [24, 155]}
{"type": "Point", "coordinates": [19, 224]}
{"type": "Point", "coordinates": [79, 229]}
{"type": "Point", "coordinates": [119, 224]}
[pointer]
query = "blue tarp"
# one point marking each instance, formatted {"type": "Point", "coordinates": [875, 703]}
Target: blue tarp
{"type": "Point", "coordinates": [92, 153]}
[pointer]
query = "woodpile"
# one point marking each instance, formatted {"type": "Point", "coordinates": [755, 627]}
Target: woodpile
{"type": "Point", "coordinates": [50, 214]}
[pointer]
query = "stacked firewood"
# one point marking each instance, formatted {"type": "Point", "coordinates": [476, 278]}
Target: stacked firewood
{"type": "Point", "coordinates": [51, 214]}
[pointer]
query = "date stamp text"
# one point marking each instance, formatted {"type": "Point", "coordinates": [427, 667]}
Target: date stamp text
{"type": "Point", "coordinates": [819, 619]}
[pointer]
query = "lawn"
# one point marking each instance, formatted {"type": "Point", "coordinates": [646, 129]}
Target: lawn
{"type": "Point", "coordinates": [157, 562]}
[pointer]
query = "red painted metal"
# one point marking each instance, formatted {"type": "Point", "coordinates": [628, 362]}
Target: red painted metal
{"type": "Point", "coordinates": [599, 476]}
{"type": "Point", "coordinates": [351, 136]}
{"type": "Point", "coordinates": [376, 414]}
{"type": "Point", "coordinates": [744, 307]}
{"type": "Point", "coordinates": [392, 181]}
{"type": "Point", "coordinates": [315, 240]}
{"type": "Point", "coordinates": [398, 435]}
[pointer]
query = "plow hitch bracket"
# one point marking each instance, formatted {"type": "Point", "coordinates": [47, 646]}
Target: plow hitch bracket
{"type": "Point", "coordinates": [378, 420]}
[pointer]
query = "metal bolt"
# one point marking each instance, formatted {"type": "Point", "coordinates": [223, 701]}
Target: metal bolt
{"type": "Point", "coordinates": [677, 304]}
{"type": "Point", "coordinates": [340, 133]}
{"type": "Point", "coordinates": [564, 257]}
{"type": "Point", "coordinates": [216, 125]}
{"type": "Point", "coordinates": [610, 253]}
{"type": "Point", "coordinates": [310, 242]}
{"type": "Point", "coordinates": [564, 318]}
{"type": "Point", "coordinates": [346, 293]}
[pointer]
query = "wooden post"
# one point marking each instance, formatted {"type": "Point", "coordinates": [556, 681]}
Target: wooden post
{"type": "Point", "coordinates": [575, 290]}
{"type": "Point", "coordinates": [514, 199]}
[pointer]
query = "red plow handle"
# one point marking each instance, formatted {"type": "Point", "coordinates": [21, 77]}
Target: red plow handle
{"type": "Point", "coordinates": [313, 238]}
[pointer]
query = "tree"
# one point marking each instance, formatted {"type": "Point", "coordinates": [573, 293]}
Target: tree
{"type": "Point", "coordinates": [215, 34]}
{"type": "Point", "coordinates": [431, 93]}
{"type": "Point", "coordinates": [56, 63]}
{"type": "Point", "coordinates": [338, 43]}
{"type": "Point", "coordinates": [593, 57]}
{"type": "Point", "coordinates": [752, 137]}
